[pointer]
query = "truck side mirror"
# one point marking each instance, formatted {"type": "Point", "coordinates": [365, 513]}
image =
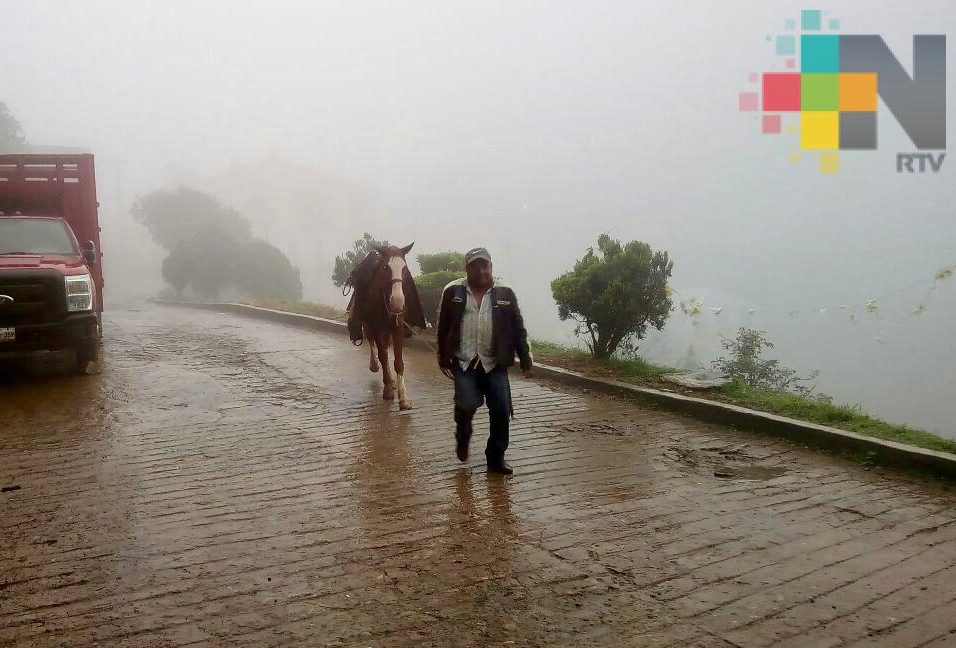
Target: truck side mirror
{"type": "Point", "coordinates": [88, 248]}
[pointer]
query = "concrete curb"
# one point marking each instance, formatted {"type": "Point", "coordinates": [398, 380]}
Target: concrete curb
{"type": "Point", "coordinates": [883, 452]}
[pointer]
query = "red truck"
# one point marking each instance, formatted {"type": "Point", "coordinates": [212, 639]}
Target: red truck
{"type": "Point", "coordinates": [51, 275]}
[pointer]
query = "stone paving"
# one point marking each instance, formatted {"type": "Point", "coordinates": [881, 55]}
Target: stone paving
{"type": "Point", "coordinates": [229, 482]}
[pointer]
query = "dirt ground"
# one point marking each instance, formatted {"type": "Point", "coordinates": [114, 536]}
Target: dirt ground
{"type": "Point", "coordinates": [230, 482]}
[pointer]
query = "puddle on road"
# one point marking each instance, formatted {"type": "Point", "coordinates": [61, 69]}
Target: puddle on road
{"type": "Point", "coordinates": [749, 473]}
{"type": "Point", "coordinates": [723, 461]}
{"type": "Point", "coordinates": [604, 426]}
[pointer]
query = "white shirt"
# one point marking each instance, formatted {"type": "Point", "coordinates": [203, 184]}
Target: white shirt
{"type": "Point", "coordinates": [476, 332]}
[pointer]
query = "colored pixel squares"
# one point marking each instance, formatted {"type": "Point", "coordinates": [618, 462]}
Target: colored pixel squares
{"type": "Point", "coordinates": [820, 130]}
{"type": "Point", "coordinates": [857, 130]}
{"type": "Point", "coordinates": [781, 92]}
{"type": "Point", "coordinates": [819, 53]}
{"type": "Point", "coordinates": [837, 111]}
{"type": "Point", "coordinates": [829, 162]}
{"type": "Point", "coordinates": [858, 92]}
{"type": "Point", "coordinates": [747, 102]}
{"type": "Point", "coordinates": [810, 20]}
{"type": "Point", "coordinates": [786, 45]}
{"type": "Point", "coordinates": [834, 110]}
{"type": "Point", "coordinates": [795, 92]}
{"type": "Point", "coordinates": [819, 91]}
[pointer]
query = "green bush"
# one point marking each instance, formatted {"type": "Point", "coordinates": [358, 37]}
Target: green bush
{"type": "Point", "coordinates": [438, 270]}
{"type": "Point", "coordinates": [745, 364]}
{"type": "Point", "coordinates": [430, 286]}
{"type": "Point", "coordinates": [451, 261]}
{"type": "Point", "coordinates": [614, 294]}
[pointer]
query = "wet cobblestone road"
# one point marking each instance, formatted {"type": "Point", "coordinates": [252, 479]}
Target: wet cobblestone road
{"type": "Point", "coordinates": [229, 482]}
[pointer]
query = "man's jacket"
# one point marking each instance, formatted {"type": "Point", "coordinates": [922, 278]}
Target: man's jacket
{"type": "Point", "coordinates": [509, 337]}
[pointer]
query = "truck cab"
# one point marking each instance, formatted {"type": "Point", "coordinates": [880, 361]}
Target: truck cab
{"type": "Point", "coordinates": [51, 277]}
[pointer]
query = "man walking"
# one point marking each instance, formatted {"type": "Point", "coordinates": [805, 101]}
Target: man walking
{"type": "Point", "coordinates": [480, 330]}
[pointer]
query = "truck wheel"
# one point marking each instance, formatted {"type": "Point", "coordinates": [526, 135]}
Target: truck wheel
{"type": "Point", "coordinates": [85, 354]}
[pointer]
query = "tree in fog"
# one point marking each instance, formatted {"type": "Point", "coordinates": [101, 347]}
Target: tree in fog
{"type": "Point", "coordinates": [175, 217]}
{"type": "Point", "coordinates": [346, 263]}
{"type": "Point", "coordinates": [274, 274]}
{"type": "Point", "coordinates": [213, 263]}
{"type": "Point", "coordinates": [11, 135]}
{"type": "Point", "coordinates": [176, 270]}
{"type": "Point", "coordinates": [211, 247]}
{"type": "Point", "coordinates": [614, 294]}
{"type": "Point", "coordinates": [437, 271]}
{"type": "Point", "coordinates": [206, 264]}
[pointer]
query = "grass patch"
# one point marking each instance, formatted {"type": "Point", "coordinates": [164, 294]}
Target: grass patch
{"type": "Point", "coordinates": [302, 307]}
{"type": "Point", "coordinates": [844, 417]}
{"type": "Point", "coordinates": [637, 370]}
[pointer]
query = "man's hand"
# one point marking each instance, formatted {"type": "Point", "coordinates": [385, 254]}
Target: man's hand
{"type": "Point", "coordinates": [444, 364]}
{"type": "Point", "coordinates": [528, 372]}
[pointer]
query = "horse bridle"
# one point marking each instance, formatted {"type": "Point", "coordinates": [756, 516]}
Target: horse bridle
{"type": "Point", "coordinates": [399, 316]}
{"type": "Point", "coordinates": [385, 295]}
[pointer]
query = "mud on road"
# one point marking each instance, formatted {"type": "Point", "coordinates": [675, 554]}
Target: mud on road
{"type": "Point", "coordinates": [228, 482]}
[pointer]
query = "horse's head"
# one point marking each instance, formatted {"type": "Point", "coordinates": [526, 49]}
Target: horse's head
{"type": "Point", "coordinates": [391, 276]}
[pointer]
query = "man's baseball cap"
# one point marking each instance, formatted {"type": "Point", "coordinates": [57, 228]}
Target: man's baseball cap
{"type": "Point", "coordinates": [477, 253]}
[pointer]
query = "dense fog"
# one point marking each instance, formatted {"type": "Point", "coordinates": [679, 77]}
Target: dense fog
{"type": "Point", "coordinates": [529, 128]}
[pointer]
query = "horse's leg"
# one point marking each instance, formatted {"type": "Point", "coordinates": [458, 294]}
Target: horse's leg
{"type": "Point", "coordinates": [372, 360]}
{"type": "Point", "coordinates": [388, 388]}
{"type": "Point", "coordinates": [404, 402]}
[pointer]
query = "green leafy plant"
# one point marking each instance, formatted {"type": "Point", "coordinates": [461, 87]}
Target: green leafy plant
{"type": "Point", "coordinates": [438, 270]}
{"type": "Point", "coordinates": [442, 262]}
{"type": "Point", "coordinates": [614, 294]}
{"type": "Point", "coordinates": [746, 364]}
{"type": "Point", "coordinates": [345, 263]}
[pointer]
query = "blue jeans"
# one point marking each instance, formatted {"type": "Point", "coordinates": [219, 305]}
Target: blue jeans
{"type": "Point", "coordinates": [472, 388]}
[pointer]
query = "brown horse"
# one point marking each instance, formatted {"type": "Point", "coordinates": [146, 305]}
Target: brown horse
{"type": "Point", "coordinates": [391, 307]}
